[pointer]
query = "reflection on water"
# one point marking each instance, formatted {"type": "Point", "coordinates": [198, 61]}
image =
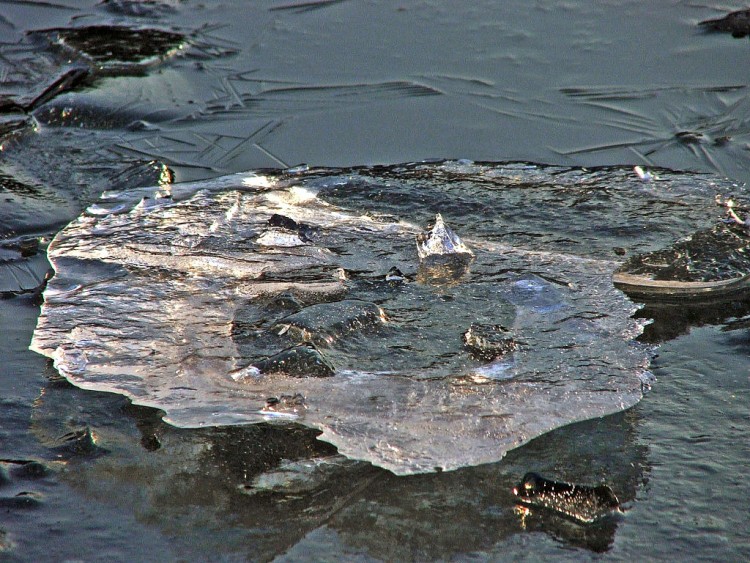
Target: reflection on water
{"type": "Point", "coordinates": [671, 320]}
{"type": "Point", "coordinates": [261, 491]}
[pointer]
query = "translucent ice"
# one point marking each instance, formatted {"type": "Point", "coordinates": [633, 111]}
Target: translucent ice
{"type": "Point", "coordinates": [194, 307]}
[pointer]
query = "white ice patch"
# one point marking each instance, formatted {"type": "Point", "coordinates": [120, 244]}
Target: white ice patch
{"type": "Point", "coordinates": [282, 239]}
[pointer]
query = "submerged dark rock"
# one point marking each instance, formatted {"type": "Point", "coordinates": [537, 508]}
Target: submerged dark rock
{"type": "Point", "coordinates": [325, 322]}
{"type": "Point", "coordinates": [579, 502]}
{"type": "Point", "coordinates": [304, 360]}
{"type": "Point", "coordinates": [489, 342]}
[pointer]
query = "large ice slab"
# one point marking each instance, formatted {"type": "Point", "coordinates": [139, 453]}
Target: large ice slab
{"type": "Point", "coordinates": [175, 302]}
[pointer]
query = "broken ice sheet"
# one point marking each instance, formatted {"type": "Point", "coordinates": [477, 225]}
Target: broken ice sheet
{"type": "Point", "coordinates": [173, 304]}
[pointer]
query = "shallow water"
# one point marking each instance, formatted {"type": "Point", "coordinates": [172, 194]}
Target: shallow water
{"type": "Point", "coordinates": [356, 83]}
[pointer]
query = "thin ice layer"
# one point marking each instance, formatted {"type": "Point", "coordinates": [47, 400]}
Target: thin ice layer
{"type": "Point", "coordinates": [172, 303]}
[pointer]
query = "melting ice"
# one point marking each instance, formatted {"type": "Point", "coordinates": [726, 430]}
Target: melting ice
{"type": "Point", "coordinates": [271, 297]}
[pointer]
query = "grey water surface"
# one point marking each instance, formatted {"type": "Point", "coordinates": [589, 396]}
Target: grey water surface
{"type": "Point", "coordinates": [226, 87]}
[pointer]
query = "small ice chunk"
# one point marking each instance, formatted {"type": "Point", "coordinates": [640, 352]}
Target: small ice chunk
{"type": "Point", "coordinates": [97, 209]}
{"type": "Point", "coordinates": [280, 238]}
{"type": "Point", "coordinates": [256, 181]}
{"type": "Point", "coordinates": [246, 373]}
{"type": "Point", "coordinates": [644, 175]}
{"type": "Point", "coordinates": [441, 240]}
{"type": "Point", "coordinates": [395, 275]}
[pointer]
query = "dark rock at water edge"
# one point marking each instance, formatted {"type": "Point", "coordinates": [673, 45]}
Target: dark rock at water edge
{"type": "Point", "coordinates": [305, 232]}
{"type": "Point", "coordinates": [737, 23]}
{"type": "Point", "coordinates": [707, 264]}
{"type": "Point", "coordinates": [115, 46]}
{"type": "Point", "coordinates": [710, 255]}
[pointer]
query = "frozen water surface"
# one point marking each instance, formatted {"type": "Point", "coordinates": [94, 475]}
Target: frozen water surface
{"type": "Point", "coordinates": [183, 300]}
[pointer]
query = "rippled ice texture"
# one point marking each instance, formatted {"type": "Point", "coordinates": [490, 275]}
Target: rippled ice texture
{"type": "Point", "coordinates": [169, 301]}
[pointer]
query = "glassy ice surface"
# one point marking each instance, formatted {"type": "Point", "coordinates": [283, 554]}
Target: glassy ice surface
{"type": "Point", "coordinates": [181, 302]}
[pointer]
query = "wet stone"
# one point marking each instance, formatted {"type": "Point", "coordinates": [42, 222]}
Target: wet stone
{"type": "Point", "coordinates": [150, 442]}
{"type": "Point", "coordinates": [285, 401]}
{"type": "Point", "coordinates": [710, 255]}
{"type": "Point", "coordinates": [303, 231]}
{"type": "Point", "coordinates": [299, 361]}
{"type": "Point", "coordinates": [709, 264]}
{"type": "Point", "coordinates": [489, 342]}
{"type": "Point", "coordinates": [395, 275]}
{"type": "Point", "coordinates": [579, 502]}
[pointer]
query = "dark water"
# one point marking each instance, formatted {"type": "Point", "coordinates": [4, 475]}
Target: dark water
{"type": "Point", "coordinates": [345, 83]}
